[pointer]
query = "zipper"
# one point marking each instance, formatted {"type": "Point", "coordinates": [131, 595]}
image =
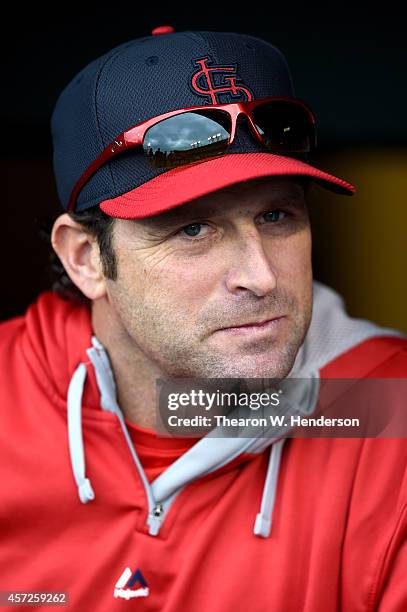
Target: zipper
{"type": "Point", "coordinates": [155, 519]}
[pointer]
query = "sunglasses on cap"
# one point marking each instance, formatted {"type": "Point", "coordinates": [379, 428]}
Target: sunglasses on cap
{"type": "Point", "coordinates": [194, 134]}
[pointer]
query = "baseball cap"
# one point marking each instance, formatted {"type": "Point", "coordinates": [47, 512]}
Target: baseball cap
{"type": "Point", "coordinates": [146, 77]}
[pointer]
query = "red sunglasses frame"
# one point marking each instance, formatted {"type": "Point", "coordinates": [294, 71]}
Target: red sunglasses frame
{"type": "Point", "coordinates": [133, 137]}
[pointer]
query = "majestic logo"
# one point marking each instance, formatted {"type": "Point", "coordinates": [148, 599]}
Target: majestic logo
{"type": "Point", "coordinates": [218, 83]}
{"type": "Point", "coordinates": [128, 580]}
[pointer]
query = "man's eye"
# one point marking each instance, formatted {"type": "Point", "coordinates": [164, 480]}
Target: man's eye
{"type": "Point", "coordinates": [194, 229]}
{"type": "Point", "coordinates": [274, 215]}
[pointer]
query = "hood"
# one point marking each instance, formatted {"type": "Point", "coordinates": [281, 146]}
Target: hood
{"type": "Point", "coordinates": [76, 372]}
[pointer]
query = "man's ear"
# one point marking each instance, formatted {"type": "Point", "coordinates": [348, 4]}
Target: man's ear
{"type": "Point", "coordinates": [79, 253]}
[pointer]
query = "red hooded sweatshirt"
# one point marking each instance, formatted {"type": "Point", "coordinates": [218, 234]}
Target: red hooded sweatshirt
{"type": "Point", "coordinates": [78, 511]}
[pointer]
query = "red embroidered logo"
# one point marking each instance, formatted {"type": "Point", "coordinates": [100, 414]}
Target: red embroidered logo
{"type": "Point", "coordinates": [211, 81]}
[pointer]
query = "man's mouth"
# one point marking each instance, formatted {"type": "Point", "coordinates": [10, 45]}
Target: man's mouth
{"type": "Point", "coordinates": [253, 326]}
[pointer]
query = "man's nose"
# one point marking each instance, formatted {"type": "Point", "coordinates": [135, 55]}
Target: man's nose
{"type": "Point", "coordinates": [252, 269]}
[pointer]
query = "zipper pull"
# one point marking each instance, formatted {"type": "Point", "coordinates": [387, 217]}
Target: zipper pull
{"type": "Point", "coordinates": [154, 519]}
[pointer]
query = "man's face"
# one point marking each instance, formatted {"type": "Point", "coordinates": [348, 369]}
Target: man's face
{"type": "Point", "coordinates": [189, 277]}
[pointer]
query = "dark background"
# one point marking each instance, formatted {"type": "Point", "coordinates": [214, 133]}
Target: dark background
{"type": "Point", "coordinates": [349, 66]}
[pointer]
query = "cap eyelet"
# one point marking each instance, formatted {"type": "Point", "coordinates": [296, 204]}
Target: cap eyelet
{"type": "Point", "coordinates": [152, 60]}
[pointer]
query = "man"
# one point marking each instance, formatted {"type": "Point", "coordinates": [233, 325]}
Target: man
{"type": "Point", "coordinates": [195, 260]}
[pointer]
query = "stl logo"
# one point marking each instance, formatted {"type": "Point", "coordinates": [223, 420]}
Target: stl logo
{"type": "Point", "coordinates": [216, 82]}
{"type": "Point", "coordinates": [128, 580]}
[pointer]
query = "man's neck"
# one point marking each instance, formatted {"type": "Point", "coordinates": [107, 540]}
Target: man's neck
{"type": "Point", "coordinates": [135, 379]}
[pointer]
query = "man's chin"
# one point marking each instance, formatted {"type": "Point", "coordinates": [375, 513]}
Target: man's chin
{"type": "Point", "coordinates": [268, 365]}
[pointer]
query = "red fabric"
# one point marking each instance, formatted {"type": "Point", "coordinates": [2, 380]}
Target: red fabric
{"type": "Point", "coordinates": [338, 539]}
{"type": "Point", "coordinates": [156, 453]}
{"type": "Point", "coordinates": [180, 185]}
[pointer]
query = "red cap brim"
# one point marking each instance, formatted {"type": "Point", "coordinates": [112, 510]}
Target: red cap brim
{"type": "Point", "coordinates": [181, 185]}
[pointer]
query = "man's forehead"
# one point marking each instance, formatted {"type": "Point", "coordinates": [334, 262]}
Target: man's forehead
{"type": "Point", "coordinates": [273, 189]}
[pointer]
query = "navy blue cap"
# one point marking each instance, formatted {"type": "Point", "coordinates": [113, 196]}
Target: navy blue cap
{"type": "Point", "coordinates": [150, 76]}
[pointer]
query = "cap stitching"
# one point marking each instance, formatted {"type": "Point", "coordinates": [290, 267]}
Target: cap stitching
{"type": "Point", "coordinates": [109, 59]}
{"type": "Point", "coordinates": [211, 48]}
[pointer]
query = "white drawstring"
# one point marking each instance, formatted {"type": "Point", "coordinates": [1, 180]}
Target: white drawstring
{"type": "Point", "coordinates": [262, 525]}
{"type": "Point", "coordinates": [76, 449]}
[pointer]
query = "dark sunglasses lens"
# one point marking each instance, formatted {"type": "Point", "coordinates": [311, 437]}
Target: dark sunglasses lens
{"type": "Point", "coordinates": [187, 137]}
{"type": "Point", "coordinates": [284, 126]}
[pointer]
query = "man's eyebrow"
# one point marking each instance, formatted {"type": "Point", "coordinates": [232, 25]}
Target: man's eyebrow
{"type": "Point", "coordinates": [183, 218]}
{"type": "Point", "coordinates": [166, 224]}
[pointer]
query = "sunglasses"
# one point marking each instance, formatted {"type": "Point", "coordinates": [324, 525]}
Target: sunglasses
{"type": "Point", "coordinates": [194, 134]}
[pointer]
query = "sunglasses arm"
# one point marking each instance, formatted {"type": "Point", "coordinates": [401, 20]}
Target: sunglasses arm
{"type": "Point", "coordinates": [119, 144]}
